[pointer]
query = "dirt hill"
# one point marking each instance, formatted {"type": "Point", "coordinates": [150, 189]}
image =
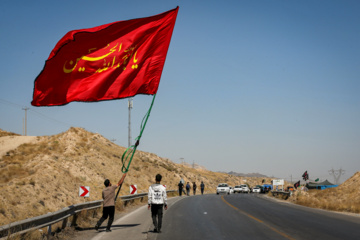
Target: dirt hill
{"type": "Point", "coordinates": [43, 174]}
{"type": "Point", "coordinates": [344, 198]}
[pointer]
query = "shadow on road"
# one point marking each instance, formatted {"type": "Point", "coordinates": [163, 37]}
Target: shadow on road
{"type": "Point", "coordinates": [102, 229]}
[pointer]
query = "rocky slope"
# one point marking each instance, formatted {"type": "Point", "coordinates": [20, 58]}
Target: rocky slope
{"type": "Point", "coordinates": [43, 174]}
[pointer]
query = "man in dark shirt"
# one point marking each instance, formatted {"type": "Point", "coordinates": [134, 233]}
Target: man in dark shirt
{"type": "Point", "coordinates": [202, 187]}
{"type": "Point", "coordinates": [181, 186]}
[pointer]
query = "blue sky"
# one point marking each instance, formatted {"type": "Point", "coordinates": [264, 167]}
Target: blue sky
{"type": "Point", "coordinates": [248, 86]}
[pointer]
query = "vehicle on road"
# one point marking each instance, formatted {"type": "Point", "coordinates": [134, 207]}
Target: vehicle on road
{"type": "Point", "coordinates": [237, 189]}
{"type": "Point", "coordinates": [256, 190]}
{"type": "Point", "coordinates": [245, 188]}
{"type": "Point", "coordinates": [223, 188]}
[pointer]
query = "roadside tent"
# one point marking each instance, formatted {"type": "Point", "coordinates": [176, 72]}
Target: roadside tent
{"type": "Point", "coordinates": [320, 185]}
{"type": "Point", "coordinates": [267, 186]}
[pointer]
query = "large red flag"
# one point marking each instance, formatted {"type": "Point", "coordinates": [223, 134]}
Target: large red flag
{"type": "Point", "coordinates": [112, 61]}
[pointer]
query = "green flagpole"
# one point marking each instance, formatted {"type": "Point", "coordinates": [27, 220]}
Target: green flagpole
{"type": "Point", "coordinates": [130, 151]}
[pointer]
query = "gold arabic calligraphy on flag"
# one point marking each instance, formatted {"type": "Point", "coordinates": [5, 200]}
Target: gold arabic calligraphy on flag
{"type": "Point", "coordinates": [111, 57]}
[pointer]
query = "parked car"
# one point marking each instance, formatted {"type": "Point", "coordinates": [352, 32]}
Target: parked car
{"type": "Point", "coordinates": [245, 188]}
{"type": "Point", "coordinates": [223, 188]}
{"type": "Point", "coordinates": [256, 190]}
{"type": "Point", "coordinates": [237, 189]}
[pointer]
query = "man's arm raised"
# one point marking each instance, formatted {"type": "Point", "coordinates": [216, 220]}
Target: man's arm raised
{"type": "Point", "coordinates": [122, 179]}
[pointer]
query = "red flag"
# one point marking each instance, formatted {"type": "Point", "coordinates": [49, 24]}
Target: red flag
{"type": "Point", "coordinates": [112, 61]}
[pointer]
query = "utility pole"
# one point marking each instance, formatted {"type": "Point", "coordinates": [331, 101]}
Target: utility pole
{"type": "Point", "coordinates": [130, 106]}
{"type": "Point", "coordinates": [337, 174]}
{"type": "Point", "coordinates": [25, 108]}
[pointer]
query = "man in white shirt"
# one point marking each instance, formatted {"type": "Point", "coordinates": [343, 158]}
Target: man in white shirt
{"type": "Point", "coordinates": [157, 199]}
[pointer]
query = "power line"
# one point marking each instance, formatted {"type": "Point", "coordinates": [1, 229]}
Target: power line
{"type": "Point", "coordinates": [50, 118]}
{"type": "Point", "coordinates": [11, 103]}
{"type": "Point", "coordinates": [337, 174]}
{"type": "Point", "coordinates": [18, 106]}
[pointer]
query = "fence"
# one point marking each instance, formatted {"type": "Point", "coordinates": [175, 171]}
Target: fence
{"type": "Point", "coordinates": [281, 194]}
{"type": "Point", "coordinates": [49, 219]}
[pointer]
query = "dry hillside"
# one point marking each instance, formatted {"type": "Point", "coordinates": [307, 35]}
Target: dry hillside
{"type": "Point", "coordinates": [344, 198]}
{"type": "Point", "coordinates": [43, 174]}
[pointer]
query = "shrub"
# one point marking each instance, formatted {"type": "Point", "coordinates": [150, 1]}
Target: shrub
{"type": "Point", "coordinates": [32, 182]}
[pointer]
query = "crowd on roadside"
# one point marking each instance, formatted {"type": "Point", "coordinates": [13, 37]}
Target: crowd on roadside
{"type": "Point", "coordinates": [182, 187]}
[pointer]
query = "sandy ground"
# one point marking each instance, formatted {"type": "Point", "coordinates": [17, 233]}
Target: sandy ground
{"type": "Point", "coordinates": [8, 143]}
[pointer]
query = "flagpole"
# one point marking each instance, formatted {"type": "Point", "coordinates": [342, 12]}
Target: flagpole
{"type": "Point", "coordinates": [130, 106]}
{"type": "Point", "coordinates": [130, 151]}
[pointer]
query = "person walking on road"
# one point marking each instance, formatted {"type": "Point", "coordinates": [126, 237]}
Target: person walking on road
{"type": "Point", "coordinates": [188, 189]}
{"type": "Point", "coordinates": [194, 188]}
{"type": "Point", "coordinates": [108, 194]}
{"type": "Point", "coordinates": [157, 200]}
{"type": "Point", "coordinates": [202, 187]}
{"type": "Point", "coordinates": [181, 186]}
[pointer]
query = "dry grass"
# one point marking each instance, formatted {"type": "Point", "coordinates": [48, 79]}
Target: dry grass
{"type": "Point", "coordinates": [344, 198]}
{"type": "Point", "coordinates": [5, 133]}
{"type": "Point", "coordinates": [41, 177]}
{"type": "Point", "coordinates": [45, 175]}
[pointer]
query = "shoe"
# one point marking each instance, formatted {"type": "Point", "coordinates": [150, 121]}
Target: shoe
{"type": "Point", "coordinates": [155, 230]}
{"type": "Point", "coordinates": [96, 227]}
{"type": "Point", "coordinates": [159, 231]}
{"type": "Point", "coordinates": [108, 230]}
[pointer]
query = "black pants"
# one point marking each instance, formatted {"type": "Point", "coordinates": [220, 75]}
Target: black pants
{"type": "Point", "coordinates": [157, 214]}
{"type": "Point", "coordinates": [107, 212]}
{"type": "Point", "coordinates": [180, 191]}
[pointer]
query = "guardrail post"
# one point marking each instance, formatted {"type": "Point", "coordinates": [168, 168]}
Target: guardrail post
{"type": "Point", "coordinates": [73, 222]}
{"type": "Point", "coordinates": [64, 223]}
{"type": "Point", "coordinates": [94, 213]}
{"type": "Point", "coordinates": [49, 230]}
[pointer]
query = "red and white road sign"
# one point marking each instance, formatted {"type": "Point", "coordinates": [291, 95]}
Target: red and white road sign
{"type": "Point", "coordinates": [84, 191]}
{"type": "Point", "coordinates": [133, 189]}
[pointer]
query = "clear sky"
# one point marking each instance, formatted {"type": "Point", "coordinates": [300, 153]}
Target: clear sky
{"type": "Point", "coordinates": [248, 86]}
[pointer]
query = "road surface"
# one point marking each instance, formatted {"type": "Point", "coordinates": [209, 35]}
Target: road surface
{"type": "Point", "coordinates": [236, 216]}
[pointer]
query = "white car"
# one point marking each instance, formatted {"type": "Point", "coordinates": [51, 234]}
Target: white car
{"type": "Point", "coordinates": [244, 188]}
{"type": "Point", "coordinates": [241, 189]}
{"type": "Point", "coordinates": [256, 190]}
{"type": "Point", "coordinates": [223, 188]}
{"type": "Point", "coordinates": [237, 189]}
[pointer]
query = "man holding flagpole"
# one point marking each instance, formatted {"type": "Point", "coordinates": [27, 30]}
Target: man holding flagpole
{"type": "Point", "coordinates": [108, 194]}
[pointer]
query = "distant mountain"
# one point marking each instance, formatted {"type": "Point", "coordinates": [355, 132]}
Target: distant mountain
{"type": "Point", "coordinates": [247, 174]}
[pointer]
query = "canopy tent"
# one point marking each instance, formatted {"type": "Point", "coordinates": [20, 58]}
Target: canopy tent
{"type": "Point", "coordinates": [320, 185]}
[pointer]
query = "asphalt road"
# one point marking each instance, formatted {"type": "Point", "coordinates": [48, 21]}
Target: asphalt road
{"type": "Point", "coordinates": [236, 216]}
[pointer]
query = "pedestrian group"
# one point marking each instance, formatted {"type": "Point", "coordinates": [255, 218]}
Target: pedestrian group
{"type": "Point", "coordinates": [157, 201]}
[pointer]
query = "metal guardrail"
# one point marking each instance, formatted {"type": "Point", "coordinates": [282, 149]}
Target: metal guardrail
{"type": "Point", "coordinates": [282, 194]}
{"type": "Point", "coordinates": [48, 219]}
